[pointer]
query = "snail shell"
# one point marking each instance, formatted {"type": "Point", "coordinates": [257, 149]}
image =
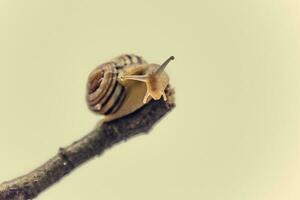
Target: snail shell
{"type": "Point", "coordinates": [105, 94]}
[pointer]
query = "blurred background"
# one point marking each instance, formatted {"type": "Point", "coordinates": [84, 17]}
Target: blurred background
{"type": "Point", "coordinates": [234, 133]}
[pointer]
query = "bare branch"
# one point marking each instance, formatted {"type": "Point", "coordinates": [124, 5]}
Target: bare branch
{"type": "Point", "coordinates": [69, 158]}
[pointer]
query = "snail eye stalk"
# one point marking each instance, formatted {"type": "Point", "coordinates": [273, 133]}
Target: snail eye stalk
{"type": "Point", "coordinates": [164, 65]}
{"type": "Point", "coordinates": [142, 78]}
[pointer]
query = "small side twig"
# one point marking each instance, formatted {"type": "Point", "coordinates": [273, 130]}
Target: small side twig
{"type": "Point", "coordinates": [69, 158]}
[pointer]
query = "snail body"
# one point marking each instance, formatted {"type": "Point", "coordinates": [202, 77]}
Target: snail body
{"type": "Point", "coordinates": [124, 84]}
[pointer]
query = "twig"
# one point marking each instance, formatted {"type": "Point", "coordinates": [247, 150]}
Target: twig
{"type": "Point", "coordinates": [32, 184]}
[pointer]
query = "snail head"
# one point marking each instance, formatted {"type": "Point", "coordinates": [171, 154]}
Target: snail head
{"type": "Point", "coordinates": [154, 80]}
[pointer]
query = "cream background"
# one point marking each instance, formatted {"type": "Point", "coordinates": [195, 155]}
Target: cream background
{"type": "Point", "coordinates": [234, 134]}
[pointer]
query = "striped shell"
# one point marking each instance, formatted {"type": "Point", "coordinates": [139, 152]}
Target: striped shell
{"type": "Point", "coordinates": [105, 94]}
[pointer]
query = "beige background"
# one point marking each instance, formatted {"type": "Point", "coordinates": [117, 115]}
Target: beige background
{"type": "Point", "coordinates": [234, 134]}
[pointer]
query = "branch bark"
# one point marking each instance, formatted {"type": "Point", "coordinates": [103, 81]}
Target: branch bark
{"type": "Point", "coordinates": [32, 184]}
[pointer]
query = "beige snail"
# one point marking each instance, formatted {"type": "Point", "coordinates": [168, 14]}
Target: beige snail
{"type": "Point", "coordinates": [124, 84]}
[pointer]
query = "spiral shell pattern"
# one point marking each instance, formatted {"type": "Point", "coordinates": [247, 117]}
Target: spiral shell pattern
{"type": "Point", "coordinates": [127, 60]}
{"type": "Point", "coordinates": [105, 94]}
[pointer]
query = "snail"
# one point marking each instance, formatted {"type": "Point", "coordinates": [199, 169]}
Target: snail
{"type": "Point", "coordinates": [124, 84]}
